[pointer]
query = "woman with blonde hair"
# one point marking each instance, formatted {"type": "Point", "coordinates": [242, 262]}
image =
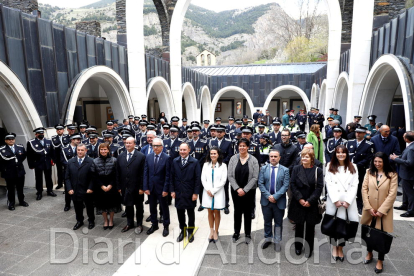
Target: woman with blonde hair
{"type": "Point", "coordinates": [315, 138]}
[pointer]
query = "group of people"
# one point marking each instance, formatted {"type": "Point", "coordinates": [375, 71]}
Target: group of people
{"type": "Point", "coordinates": [210, 163]}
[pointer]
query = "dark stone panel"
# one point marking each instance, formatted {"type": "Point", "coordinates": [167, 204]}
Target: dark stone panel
{"type": "Point", "coordinates": [91, 50]}
{"type": "Point", "coordinates": [37, 91]}
{"type": "Point", "coordinates": [71, 54]}
{"type": "Point", "coordinates": [408, 51]}
{"type": "Point", "coordinates": [14, 43]}
{"type": "Point", "coordinates": [3, 56]}
{"type": "Point", "coordinates": [61, 64]}
{"type": "Point", "coordinates": [52, 108]}
{"type": "Point", "coordinates": [387, 28]}
{"type": "Point", "coordinates": [394, 34]}
{"type": "Point", "coordinates": [100, 52]}
{"type": "Point", "coordinates": [31, 41]}
{"type": "Point", "coordinates": [122, 63]}
{"type": "Point", "coordinates": [375, 49]}
{"type": "Point", "coordinates": [115, 58]}
{"type": "Point", "coordinates": [81, 50]}
{"type": "Point", "coordinates": [401, 34]}
{"type": "Point", "coordinates": [47, 55]}
{"type": "Point", "coordinates": [380, 42]}
{"type": "Point", "coordinates": [108, 53]}
{"type": "Point", "coordinates": [63, 87]}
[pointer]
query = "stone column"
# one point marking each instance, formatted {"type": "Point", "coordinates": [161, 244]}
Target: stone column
{"type": "Point", "coordinates": [151, 108]}
{"type": "Point", "coordinates": [89, 27]}
{"type": "Point", "coordinates": [26, 6]}
{"type": "Point", "coordinates": [121, 22]}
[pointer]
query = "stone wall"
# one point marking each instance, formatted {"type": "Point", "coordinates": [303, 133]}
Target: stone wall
{"type": "Point", "coordinates": [89, 27]}
{"type": "Point", "coordinates": [121, 22]}
{"type": "Point", "coordinates": [347, 7]}
{"type": "Point", "coordinates": [391, 7]}
{"type": "Point", "coordinates": [26, 6]}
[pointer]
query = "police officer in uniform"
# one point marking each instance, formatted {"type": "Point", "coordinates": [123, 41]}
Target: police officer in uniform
{"type": "Point", "coordinates": [361, 152]}
{"type": "Point", "coordinates": [329, 129]}
{"type": "Point", "coordinates": [311, 116]}
{"type": "Point", "coordinates": [265, 145]}
{"type": "Point", "coordinates": [301, 140]}
{"type": "Point", "coordinates": [260, 130]}
{"type": "Point", "coordinates": [109, 128]}
{"type": "Point", "coordinates": [183, 129]}
{"type": "Point", "coordinates": [293, 127]}
{"type": "Point", "coordinates": [276, 135]}
{"type": "Point", "coordinates": [301, 118]}
{"type": "Point", "coordinates": [357, 120]}
{"type": "Point", "coordinates": [336, 116]}
{"type": "Point", "coordinates": [142, 131]}
{"type": "Point", "coordinates": [40, 156]}
{"type": "Point", "coordinates": [333, 142]}
{"type": "Point", "coordinates": [59, 141]}
{"type": "Point", "coordinates": [71, 128]}
{"type": "Point", "coordinates": [318, 118]}
{"type": "Point", "coordinates": [165, 132]}
{"type": "Point", "coordinates": [371, 129]}
{"type": "Point", "coordinates": [113, 147]}
{"type": "Point", "coordinates": [230, 128]}
{"type": "Point", "coordinates": [172, 145]}
{"type": "Point", "coordinates": [205, 131]}
{"type": "Point", "coordinates": [174, 122]}
{"type": "Point", "coordinates": [11, 166]}
{"type": "Point", "coordinates": [93, 145]}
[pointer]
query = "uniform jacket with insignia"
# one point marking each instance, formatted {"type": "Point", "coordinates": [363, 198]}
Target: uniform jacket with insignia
{"type": "Point", "coordinates": [173, 148]}
{"type": "Point", "coordinates": [38, 156]}
{"type": "Point", "coordinates": [361, 155]}
{"type": "Point", "coordinates": [66, 154]}
{"type": "Point", "coordinates": [11, 164]}
{"type": "Point", "coordinates": [331, 146]}
{"type": "Point", "coordinates": [275, 138]}
{"type": "Point", "coordinates": [93, 153]}
{"type": "Point", "coordinates": [58, 144]}
{"type": "Point", "coordinates": [199, 150]}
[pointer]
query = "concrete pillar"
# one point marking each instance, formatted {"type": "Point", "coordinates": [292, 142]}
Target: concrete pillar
{"type": "Point", "coordinates": [360, 57]}
{"type": "Point", "coordinates": [136, 55]}
{"type": "Point", "coordinates": [152, 108]}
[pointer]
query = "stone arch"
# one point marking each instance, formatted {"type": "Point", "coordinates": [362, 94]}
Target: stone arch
{"type": "Point", "coordinates": [322, 95]}
{"type": "Point", "coordinates": [340, 99]}
{"type": "Point", "coordinates": [17, 110]}
{"type": "Point", "coordinates": [293, 88]}
{"type": "Point", "coordinates": [110, 81]}
{"type": "Point", "coordinates": [161, 88]}
{"type": "Point", "coordinates": [190, 100]}
{"type": "Point", "coordinates": [227, 89]}
{"type": "Point", "coordinates": [204, 103]}
{"type": "Point", "coordinates": [386, 76]}
{"type": "Point", "coordinates": [164, 18]}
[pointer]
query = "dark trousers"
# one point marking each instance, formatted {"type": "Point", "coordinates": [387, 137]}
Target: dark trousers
{"type": "Point", "coordinates": [139, 211]}
{"type": "Point", "coordinates": [200, 196]}
{"type": "Point", "coordinates": [154, 199]}
{"type": "Point", "coordinates": [272, 213]}
{"type": "Point", "coordinates": [302, 127]}
{"type": "Point", "coordinates": [68, 198]}
{"type": "Point", "coordinates": [88, 203]}
{"type": "Point", "coordinates": [60, 173]}
{"type": "Point", "coordinates": [226, 192]}
{"type": "Point", "coordinates": [39, 180]}
{"type": "Point", "coordinates": [309, 231]}
{"type": "Point", "coordinates": [336, 242]}
{"type": "Point", "coordinates": [361, 175]}
{"type": "Point", "coordinates": [381, 256]}
{"type": "Point", "coordinates": [408, 191]}
{"type": "Point", "coordinates": [191, 219]}
{"type": "Point", "coordinates": [243, 207]}
{"type": "Point", "coordinates": [12, 185]}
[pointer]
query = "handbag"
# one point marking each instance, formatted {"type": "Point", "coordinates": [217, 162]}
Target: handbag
{"type": "Point", "coordinates": [338, 228]}
{"type": "Point", "coordinates": [376, 239]}
{"type": "Point", "coordinates": [321, 204]}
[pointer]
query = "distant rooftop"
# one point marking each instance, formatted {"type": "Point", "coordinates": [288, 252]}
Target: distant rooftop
{"type": "Point", "coordinates": [261, 69]}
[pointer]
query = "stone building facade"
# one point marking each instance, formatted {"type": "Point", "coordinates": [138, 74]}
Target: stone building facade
{"type": "Point", "coordinates": [26, 6]}
{"type": "Point", "coordinates": [89, 27]}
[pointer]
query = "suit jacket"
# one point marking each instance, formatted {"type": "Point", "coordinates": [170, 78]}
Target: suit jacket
{"type": "Point", "coordinates": [185, 181]}
{"type": "Point", "coordinates": [79, 178]}
{"type": "Point", "coordinates": [406, 162]}
{"type": "Point", "coordinates": [388, 147]}
{"type": "Point", "coordinates": [362, 155]}
{"type": "Point", "coordinates": [93, 153]}
{"type": "Point", "coordinates": [157, 181]}
{"type": "Point", "coordinates": [282, 185]}
{"type": "Point", "coordinates": [11, 164]}
{"type": "Point", "coordinates": [199, 150]}
{"type": "Point", "coordinates": [130, 177]}
{"type": "Point", "coordinates": [38, 156]}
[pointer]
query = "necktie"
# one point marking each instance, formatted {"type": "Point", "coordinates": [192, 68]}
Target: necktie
{"type": "Point", "coordinates": [156, 163]}
{"type": "Point", "coordinates": [93, 147]}
{"type": "Point", "coordinates": [12, 148]}
{"type": "Point", "coordinates": [358, 144]}
{"type": "Point", "coordinates": [149, 149]}
{"type": "Point", "coordinates": [183, 162]}
{"type": "Point", "coordinates": [272, 181]}
{"type": "Point", "coordinates": [42, 142]}
{"type": "Point", "coordinates": [219, 143]}
{"type": "Point", "coordinates": [129, 157]}
{"type": "Point", "coordinates": [80, 161]}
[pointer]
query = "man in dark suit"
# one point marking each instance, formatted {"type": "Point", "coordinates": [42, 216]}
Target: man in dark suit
{"type": "Point", "coordinates": [406, 173]}
{"type": "Point", "coordinates": [130, 176]}
{"type": "Point", "coordinates": [11, 166]}
{"type": "Point", "coordinates": [157, 184]}
{"type": "Point", "coordinates": [185, 187]}
{"type": "Point", "coordinates": [40, 155]}
{"type": "Point", "coordinates": [78, 181]}
{"type": "Point", "coordinates": [386, 143]}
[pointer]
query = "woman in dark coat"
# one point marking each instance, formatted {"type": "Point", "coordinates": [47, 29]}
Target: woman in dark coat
{"type": "Point", "coordinates": [104, 177]}
{"type": "Point", "coordinates": [304, 205]}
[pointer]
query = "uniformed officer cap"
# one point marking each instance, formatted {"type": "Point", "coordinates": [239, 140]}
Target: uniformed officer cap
{"type": "Point", "coordinates": [175, 119]}
{"type": "Point", "coordinates": [276, 122]}
{"type": "Point", "coordinates": [152, 119]}
{"type": "Point", "coordinates": [361, 129]}
{"type": "Point", "coordinates": [91, 128]}
{"type": "Point", "coordinates": [218, 119]}
{"type": "Point", "coordinates": [258, 109]}
{"type": "Point", "coordinates": [246, 129]}
{"type": "Point", "coordinates": [71, 126]}
{"type": "Point", "coordinates": [357, 117]}
{"type": "Point", "coordinates": [336, 109]}
{"type": "Point", "coordinates": [337, 129]}
{"type": "Point", "coordinates": [143, 122]}
{"type": "Point", "coordinates": [261, 125]}
{"type": "Point", "coordinates": [10, 136]}
{"type": "Point", "coordinates": [75, 136]}
{"type": "Point", "coordinates": [206, 121]}
{"type": "Point", "coordinates": [302, 109]}
{"type": "Point", "coordinates": [291, 118]}
{"type": "Point", "coordinates": [250, 120]}
{"type": "Point", "coordinates": [59, 126]}
{"type": "Point", "coordinates": [184, 120]}
{"type": "Point", "coordinates": [220, 128]}
{"type": "Point", "coordinates": [189, 128]}
{"type": "Point", "coordinates": [151, 127]}
{"type": "Point", "coordinates": [372, 117]}
{"type": "Point", "coordinates": [166, 126]}
{"type": "Point", "coordinates": [300, 134]}
{"type": "Point", "coordinates": [126, 135]}
{"type": "Point", "coordinates": [109, 134]}
{"type": "Point", "coordinates": [332, 109]}
{"type": "Point", "coordinates": [317, 109]}
{"type": "Point", "coordinates": [196, 128]}
{"type": "Point", "coordinates": [330, 119]}
{"type": "Point", "coordinates": [213, 127]}
{"type": "Point", "coordinates": [39, 130]}
{"type": "Point", "coordinates": [194, 123]}
{"type": "Point", "coordinates": [231, 118]}
{"type": "Point", "coordinates": [109, 123]}
{"type": "Point", "coordinates": [93, 135]}
{"type": "Point", "coordinates": [245, 117]}
{"type": "Point", "coordinates": [312, 108]}
{"type": "Point", "coordinates": [143, 116]}
{"type": "Point", "coordinates": [264, 136]}
{"type": "Point", "coordinates": [130, 116]}
{"type": "Point", "coordinates": [125, 130]}
{"type": "Point", "coordinates": [83, 125]}
{"type": "Point", "coordinates": [239, 121]}
{"type": "Point", "coordinates": [115, 121]}
{"type": "Point", "coordinates": [287, 110]}
{"type": "Point", "coordinates": [174, 129]}
{"type": "Point", "coordinates": [137, 118]}
{"type": "Point", "coordinates": [238, 131]}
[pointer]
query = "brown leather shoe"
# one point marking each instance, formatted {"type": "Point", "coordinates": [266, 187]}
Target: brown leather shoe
{"type": "Point", "coordinates": [127, 228]}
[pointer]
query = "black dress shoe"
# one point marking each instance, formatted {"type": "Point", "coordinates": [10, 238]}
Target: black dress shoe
{"type": "Point", "coordinates": [91, 225]}
{"type": "Point", "coordinates": [342, 259]}
{"type": "Point", "coordinates": [67, 208]}
{"type": "Point", "coordinates": [308, 255]}
{"type": "Point", "coordinates": [148, 219]}
{"type": "Point", "coordinates": [201, 208]}
{"type": "Point", "coordinates": [335, 258]}
{"type": "Point", "coordinates": [401, 208]}
{"type": "Point", "coordinates": [368, 261]}
{"type": "Point", "coordinates": [139, 230]}
{"type": "Point", "coordinates": [24, 204]}
{"type": "Point", "coordinates": [11, 207]}
{"type": "Point", "coordinates": [78, 225]}
{"type": "Point", "coordinates": [298, 251]}
{"type": "Point", "coordinates": [152, 229]}
{"type": "Point", "coordinates": [399, 193]}
{"type": "Point", "coordinates": [266, 244]}
{"type": "Point", "coordinates": [378, 271]}
{"type": "Point", "coordinates": [127, 228]}
{"type": "Point", "coordinates": [247, 239]}
{"type": "Point", "coordinates": [147, 202]}
{"type": "Point", "coordinates": [190, 236]}
{"type": "Point", "coordinates": [181, 236]}
{"type": "Point", "coordinates": [39, 197]}
{"type": "Point", "coordinates": [226, 210]}
{"type": "Point", "coordinates": [253, 215]}
{"type": "Point", "coordinates": [105, 227]}
{"type": "Point", "coordinates": [407, 215]}
{"type": "Point", "coordinates": [123, 214]}
{"type": "Point", "coordinates": [236, 237]}
{"type": "Point", "coordinates": [51, 194]}
{"type": "Point", "coordinates": [59, 186]}
{"type": "Point", "coordinates": [165, 232]}
{"type": "Point", "coordinates": [161, 219]}
{"type": "Point", "coordinates": [360, 211]}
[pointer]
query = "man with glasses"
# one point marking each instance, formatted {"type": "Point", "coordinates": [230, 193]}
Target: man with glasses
{"type": "Point", "coordinates": [288, 151]}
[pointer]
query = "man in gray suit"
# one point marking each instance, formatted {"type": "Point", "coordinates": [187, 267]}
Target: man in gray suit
{"type": "Point", "coordinates": [273, 184]}
{"type": "Point", "coordinates": [406, 162]}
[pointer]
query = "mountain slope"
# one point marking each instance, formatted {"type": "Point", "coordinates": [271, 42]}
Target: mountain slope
{"type": "Point", "coordinates": [99, 4]}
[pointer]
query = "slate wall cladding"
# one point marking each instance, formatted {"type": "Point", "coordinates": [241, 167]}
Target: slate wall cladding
{"type": "Point", "coordinates": [26, 6]}
{"type": "Point", "coordinates": [47, 57]}
{"type": "Point", "coordinates": [89, 27]}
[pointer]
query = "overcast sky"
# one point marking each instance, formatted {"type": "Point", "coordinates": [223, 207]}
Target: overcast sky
{"type": "Point", "coordinates": [216, 5]}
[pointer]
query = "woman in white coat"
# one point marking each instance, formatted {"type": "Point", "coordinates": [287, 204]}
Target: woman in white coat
{"type": "Point", "coordinates": [342, 186]}
{"type": "Point", "coordinates": [213, 178]}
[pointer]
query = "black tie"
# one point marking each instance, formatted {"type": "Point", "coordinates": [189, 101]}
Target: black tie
{"type": "Point", "coordinates": [156, 163]}
{"type": "Point", "coordinates": [183, 162]}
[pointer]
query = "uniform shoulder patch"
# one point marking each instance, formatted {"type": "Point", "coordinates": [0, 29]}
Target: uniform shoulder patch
{"type": "Point", "coordinates": [227, 139]}
{"type": "Point", "coordinates": [369, 142]}
{"type": "Point", "coordinates": [2, 147]}
{"type": "Point", "coordinates": [203, 140]}
{"type": "Point", "coordinates": [19, 145]}
{"type": "Point", "coordinates": [67, 146]}
{"type": "Point", "coordinates": [351, 140]}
